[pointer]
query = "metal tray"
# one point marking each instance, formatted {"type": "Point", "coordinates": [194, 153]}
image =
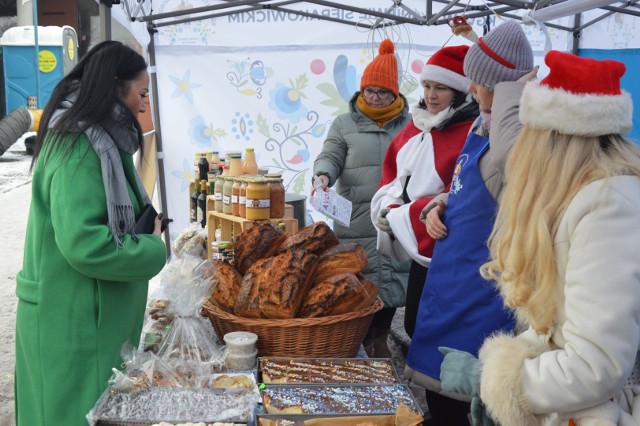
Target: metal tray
{"type": "Point", "coordinates": [393, 379]}
{"type": "Point", "coordinates": [376, 394]}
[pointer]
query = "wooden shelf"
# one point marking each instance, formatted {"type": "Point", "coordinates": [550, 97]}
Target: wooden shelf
{"type": "Point", "coordinates": [230, 226]}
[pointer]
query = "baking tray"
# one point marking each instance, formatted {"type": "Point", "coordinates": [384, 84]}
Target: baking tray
{"type": "Point", "coordinates": [362, 399]}
{"type": "Point", "coordinates": [147, 406]}
{"type": "Point", "coordinates": [393, 377]}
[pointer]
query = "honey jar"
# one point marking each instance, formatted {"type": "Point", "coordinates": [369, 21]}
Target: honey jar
{"type": "Point", "coordinates": [258, 201]}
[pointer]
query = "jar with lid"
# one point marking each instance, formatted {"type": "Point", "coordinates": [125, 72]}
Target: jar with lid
{"type": "Point", "coordinates": [249, 165]}
{"type": "Point", "coordinates": [226, 194]}
{"type": "Point", "coordinates": [217, 193]}
{"type": "Point", "coordinates": [258, 199]}
{"type": "Point", "coordinates": [235, 196]}
{"type": "Point", "coordinates": [242, 198]}
{"type": "Point", "coordinates": [235, 165]}
{"type": "Point", "coordinates": [276, 197]}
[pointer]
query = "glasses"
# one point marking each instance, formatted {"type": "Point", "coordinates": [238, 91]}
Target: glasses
{"type": "Point", "coordinates": [382, 94]}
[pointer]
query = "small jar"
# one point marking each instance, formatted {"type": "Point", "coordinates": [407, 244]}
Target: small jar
{"type": "Point", "coordinates": [217, 193]}
{"type": "Point", "coordinates": [258, 199]}
{"type": "Point", "coordinates": [276, 197]}
{"type": "Point", "coordinates": [242, 198]}
{"type": "Point", "coordinates": [240, 342]}
{"type": "Point", "coordinates": [235, 165]}
{"type": "Point", "coordinates": [226, 195]}
{"type": "Point", "coordinates": [235, 196]}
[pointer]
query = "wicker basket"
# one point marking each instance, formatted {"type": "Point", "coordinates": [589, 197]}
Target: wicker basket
{"type": "Point", "coordinates": [336, 336]}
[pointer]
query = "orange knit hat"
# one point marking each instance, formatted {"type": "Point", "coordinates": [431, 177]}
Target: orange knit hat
{"type": "Point", "coordinates": [383, 70]}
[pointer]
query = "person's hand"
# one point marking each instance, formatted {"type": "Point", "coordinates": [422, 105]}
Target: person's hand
{"type": "Point", "coordinates": [435, 227]}
{"type": "Point", "coordinates": [325, 181]}
{"type": "Point", "coordinates": [157, 225]}
{"type": "Point", "coordinates": [460, 373]}
{"type": "Point", "coordinates": [531, 75]}
{"type": "Point", "coordinates": [382, 223]}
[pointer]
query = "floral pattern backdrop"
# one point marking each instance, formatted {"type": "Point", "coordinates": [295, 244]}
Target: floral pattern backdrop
{"type": "Point", "coordinates": [272, 82]}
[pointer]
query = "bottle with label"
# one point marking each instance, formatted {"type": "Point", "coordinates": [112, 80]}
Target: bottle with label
{"type": "Point", "coordinates": [217, 193]}
{"type": "Point", "coordinates": [226, 194]}
{"type": "Point", "coordinates": [201, 213]}
{"type": "Point", "coordinates": [249, 165]}
{"type": "Point", "coordinates": [211, 178]}
{"type": "Point", "coordinates": [203, 166]}
{"type": "Point", "coordinates": [242, 198]}
{"type": "Point", "coordinates": [193, 208]}
{"type": "Point", "coordinates": [257, 199]}
{"type": "Point", "coordinates": [214, 163]}
{"type": "Point", "coordinates": [196, 167]}
{"type": "Point", "coordinates": [235, 196]}
{"type": "Point", "coordinates": [235, 165]}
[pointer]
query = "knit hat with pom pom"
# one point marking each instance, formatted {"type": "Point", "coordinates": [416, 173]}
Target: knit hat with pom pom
{"type": "Point", "coordinates": [383, 70]}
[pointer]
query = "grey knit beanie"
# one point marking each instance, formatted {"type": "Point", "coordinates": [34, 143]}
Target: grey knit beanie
{"type": "Point", "coordinates": [504, 54]}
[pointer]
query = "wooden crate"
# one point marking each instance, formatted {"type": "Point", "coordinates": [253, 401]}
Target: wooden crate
{"type": "Point", "coordinates": [230, 226]}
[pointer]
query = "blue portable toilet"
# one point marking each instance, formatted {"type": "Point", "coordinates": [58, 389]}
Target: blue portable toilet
{"type": "Point", "coordinates": [57, 55]}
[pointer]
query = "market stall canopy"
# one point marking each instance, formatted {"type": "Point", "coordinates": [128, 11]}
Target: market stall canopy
{"type": "Point", "coordinates": [435, 12]}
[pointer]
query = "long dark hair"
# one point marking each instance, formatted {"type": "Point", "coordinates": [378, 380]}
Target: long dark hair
{"type": "Point", "coordinates": [103, 73]}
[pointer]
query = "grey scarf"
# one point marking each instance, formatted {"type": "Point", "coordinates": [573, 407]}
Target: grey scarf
{"type": "Point", "coordinates": [118, 134]}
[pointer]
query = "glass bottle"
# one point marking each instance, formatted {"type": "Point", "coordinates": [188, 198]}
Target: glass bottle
{"type": "Point", "coordinates": [217, 193]}
{"type": "Point", "coordinates": [235, 165]}
{"type": "Point", "coordinates": [250, 166]}
{"type": "Point", "coordinates": [196, 160]}
{"type": "Point", "coordinates": [211, 177]}
{"type": "Point", "coordinates": [226, 194]}
{"type": "Point", "coordinates": [276, 197]}
{"type": "Point", "coordinates": [193, 207]}
{"type": "Point", "coordinates": [214, 163]}
{"type": "Point", "coordinates": [242, 199]}
{"type": "Point", "coordinates": [257, 199]}
{"type": "Point", "coordinates": [203, 166]}
{"type": "Point", "coordinates": [235, 196]}
{"type": "Point", "coordinates": [201, 215]}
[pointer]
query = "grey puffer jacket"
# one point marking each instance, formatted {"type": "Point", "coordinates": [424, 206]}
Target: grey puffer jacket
{"type": "Point", "coordinates": [352, 155]}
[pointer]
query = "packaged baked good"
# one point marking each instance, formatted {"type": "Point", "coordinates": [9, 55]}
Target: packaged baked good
{"type": "Point", "coordinates": [191, 241]}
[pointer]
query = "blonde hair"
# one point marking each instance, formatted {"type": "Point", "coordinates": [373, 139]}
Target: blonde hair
{"type": "Point", "coordinates": [544, 172]}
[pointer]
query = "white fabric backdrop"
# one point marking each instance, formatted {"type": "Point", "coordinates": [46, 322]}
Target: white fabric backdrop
{"type": "Point", "coordinates": [275, 82]}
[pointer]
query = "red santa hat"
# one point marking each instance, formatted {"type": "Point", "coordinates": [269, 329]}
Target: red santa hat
{"type": "Point", "coordinates": [445, 67]}
{"type": "Point", "coordinates": [580, 96]}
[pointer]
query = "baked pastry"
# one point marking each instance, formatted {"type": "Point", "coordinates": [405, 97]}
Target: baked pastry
{"type": "Point", "coordinates": [258, 242]}
{"type": "Point", "coordinates": [326, 370]}
{"type": "Point", "coordinates": [285, 284]}
{"type": "Point", "coordinates": [225, 283]}
{"type": "Point", "coordinates": [314, 238]}
{"type": "Point", "coordinates": [347, 257]}
{"type": "Point", "coordinates": [233, 381]}
{"type": "Point", "coordinates": [247, 303]}
{"type": "Point", "coordinates": [337, 295]}
{"type": "Point", "coordinates": [339, 399]}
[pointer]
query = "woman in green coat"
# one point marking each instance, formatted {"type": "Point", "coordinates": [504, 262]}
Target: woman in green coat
{"type": "Point", "coordinates": [83, 287]}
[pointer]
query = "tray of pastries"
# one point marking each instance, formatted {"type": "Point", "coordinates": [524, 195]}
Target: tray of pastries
{"type": "Point", "coordinates": [335, 400]}
{"type": "Point", "coordinates": [283, 370]}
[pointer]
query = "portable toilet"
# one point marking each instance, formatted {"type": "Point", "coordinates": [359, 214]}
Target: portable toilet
{"type": "Point", "coordinates": [57, 55]}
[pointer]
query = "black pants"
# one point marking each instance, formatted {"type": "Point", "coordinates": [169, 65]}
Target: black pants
{"type": "Point", "coordinates": [381, 321]}
{"type": "Point", "coordinates": [415, 284]}
{"type": "Point", "coordinates": [447, 411]}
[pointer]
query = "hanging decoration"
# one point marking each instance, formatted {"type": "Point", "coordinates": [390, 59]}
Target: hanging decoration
{"type": "Point", "coordinates": [460, 26]}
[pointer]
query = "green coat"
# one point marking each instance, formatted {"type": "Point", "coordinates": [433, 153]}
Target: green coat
{"type": "Point", "coordinates": [80, 298]}
{"type": "Point", "coordinates": [352, 155]}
